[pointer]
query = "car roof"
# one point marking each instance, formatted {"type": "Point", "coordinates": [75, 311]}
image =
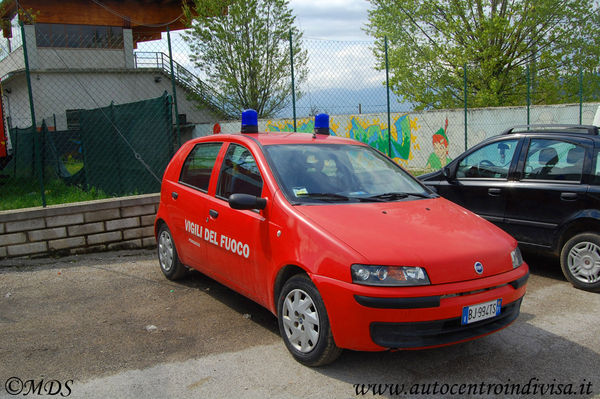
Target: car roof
{"type": "Point", "coordinates": [273, 138]}
{"type": "Point", "coordinates": [558, 129]}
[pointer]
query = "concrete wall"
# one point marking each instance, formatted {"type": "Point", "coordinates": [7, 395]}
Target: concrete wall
{"type": "Point", "coordinates": [12, 62]}
{"type": "Point", "coordinates": [122, 223]}
{"type": "Point", "coordinates": [79, 58]}
{"type": "Point", "coordinates": [54, 92]}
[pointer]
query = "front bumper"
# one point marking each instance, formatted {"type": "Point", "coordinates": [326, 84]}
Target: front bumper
{"type": "Point", "coordinates": [378, 318]}
{"type": "Point", "coordinates": [439, 332]}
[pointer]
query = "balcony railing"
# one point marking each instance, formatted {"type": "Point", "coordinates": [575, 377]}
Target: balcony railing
{"type": "Point", "coordinates": [214, 100]}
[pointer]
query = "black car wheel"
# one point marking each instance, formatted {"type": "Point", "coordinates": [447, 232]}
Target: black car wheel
{"type": "Point", "coordinates": [580, 261]}
{"type": "Point", "coordinates": [170, 265]}
{"type": "Point", "coordinates": [303, 323]}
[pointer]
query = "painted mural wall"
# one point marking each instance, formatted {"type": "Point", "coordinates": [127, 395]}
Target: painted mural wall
{"type": "Point", "coordinates": [429, 140]}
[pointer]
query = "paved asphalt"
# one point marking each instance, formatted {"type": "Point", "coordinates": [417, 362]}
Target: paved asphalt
{"type": "Point", "coordinates": [110, 325]}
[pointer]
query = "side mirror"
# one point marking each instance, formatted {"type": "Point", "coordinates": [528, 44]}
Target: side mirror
{"type": "Point", "coordinates": [246, 201]}
{"type": "Point", "coordinates": [446, 172]}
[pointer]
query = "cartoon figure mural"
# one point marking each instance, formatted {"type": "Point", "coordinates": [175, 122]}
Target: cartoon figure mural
{"type": "Point", "coordinates": [376, 135]}
{"type": "Point", "coordinates": [369, 130]}
{"type": "Point", "coordinates": [439, 157]}
{"type": "Point", "coordinates": [304, 125]}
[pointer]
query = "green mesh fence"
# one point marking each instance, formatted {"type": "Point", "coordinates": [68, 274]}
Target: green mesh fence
{"type": "Point", "coordinates": [116, 139]}
{"type": "Point", "coordinates": [22, 165]}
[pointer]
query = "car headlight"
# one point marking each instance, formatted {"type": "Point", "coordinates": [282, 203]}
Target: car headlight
{"type": "Point", "coordinates": [389, 275]}
{"type": "Point", "coordinates": [517, 258]}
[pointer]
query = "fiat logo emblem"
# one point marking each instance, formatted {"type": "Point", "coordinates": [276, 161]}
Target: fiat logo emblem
{"type": "Point", "coordinates": [478, 267]}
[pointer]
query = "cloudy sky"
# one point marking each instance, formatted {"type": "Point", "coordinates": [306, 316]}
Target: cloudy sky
{"type": "Point", "coordinates": [341, 67]}
{"type": "Point", "coordinates": [332, 19]}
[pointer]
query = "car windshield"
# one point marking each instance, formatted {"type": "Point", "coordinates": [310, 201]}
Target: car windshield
{"type": "Point", "coordinates": [341, 173]}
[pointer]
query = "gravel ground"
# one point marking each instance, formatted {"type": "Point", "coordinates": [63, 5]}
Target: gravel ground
{"type": "Point", "coordinates": [110, 325]}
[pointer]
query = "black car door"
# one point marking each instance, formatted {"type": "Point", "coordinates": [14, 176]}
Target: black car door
{"type": "Point", "coordinates": [479, 178]}
{"type": "Point", "coordinates": [548, 188]}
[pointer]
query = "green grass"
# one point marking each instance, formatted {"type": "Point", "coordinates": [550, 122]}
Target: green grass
{"type": "Point", "coordinates": [17, 194]}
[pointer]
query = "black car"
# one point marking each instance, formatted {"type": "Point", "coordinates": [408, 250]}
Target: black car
{"type": "Point", "coordinates": [541, 184]}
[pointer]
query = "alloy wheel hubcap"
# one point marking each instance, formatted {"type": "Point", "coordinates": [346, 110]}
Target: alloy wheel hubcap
{"type": "Point", "coordinates": [165, 251]}
{"type": "Point", "coordinates": [300, 320]}
{"type": "Point", "coordinates": [584, 262]}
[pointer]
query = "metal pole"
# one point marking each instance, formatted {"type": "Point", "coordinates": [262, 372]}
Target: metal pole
{"type": "Point", "coordinates": [387, 86]}
{"type": "Point", "coordinates": [174, 88]}
{"type": "Point", "coordinates": [293, 81]}
{"type": "Point", "coordinates": [528, 96]}
{"type": "Point", "coordinates": [38, 157]}
{"type": "Point", "coordinates": [580, 95]}
{"type": "Point", "coordinates": [465, 93]}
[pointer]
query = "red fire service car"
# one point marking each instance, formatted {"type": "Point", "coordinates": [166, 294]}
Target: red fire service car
{"type": "Point", "coordinates": [345, 247]}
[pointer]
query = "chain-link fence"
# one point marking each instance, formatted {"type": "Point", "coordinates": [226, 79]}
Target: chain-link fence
{"type": "Point", "coordinates": [92, 112]}
{"type": "Point", "coordinates": [345, 80]}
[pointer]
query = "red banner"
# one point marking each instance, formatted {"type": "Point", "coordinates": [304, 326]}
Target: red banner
{"type": "Point", "coordinates": [3, 140]}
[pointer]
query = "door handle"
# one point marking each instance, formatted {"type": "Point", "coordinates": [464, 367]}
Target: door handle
{"type": "Point", "coordinates": [213, 214]}
{"type": "Point", "coordinates": [568, 196]}
{"type": "Point", "coordinates": [494, 192]}
{"type": "Point", "coordinates": [174, 195]}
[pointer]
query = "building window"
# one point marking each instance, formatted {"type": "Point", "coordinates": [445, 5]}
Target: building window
{"type": "Point", "coordinates": [79, 36]}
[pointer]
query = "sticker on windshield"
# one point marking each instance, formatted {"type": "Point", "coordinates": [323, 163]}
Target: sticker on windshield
{"type": "Point", "coordinates": [299, 191]}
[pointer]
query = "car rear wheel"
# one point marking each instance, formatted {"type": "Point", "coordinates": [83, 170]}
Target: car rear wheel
{"type": "Point", "coordinates": [170, 265]}
{"type": "Point", "coordinates": [304, 324]}
{"type": "Point", "coordinates": [580, 261]}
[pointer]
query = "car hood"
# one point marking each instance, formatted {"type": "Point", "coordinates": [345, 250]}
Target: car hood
{"type": "Point", "coordinates": [436, 234]}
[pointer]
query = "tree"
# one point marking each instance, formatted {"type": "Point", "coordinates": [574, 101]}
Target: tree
{"type": "Point", "coordinates": [245, 51]}
{"type": "Point", "coordinates": [431, 41]}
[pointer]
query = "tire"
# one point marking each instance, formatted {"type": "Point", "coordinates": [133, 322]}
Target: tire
{"type": "Point", "coordinates": [168, 259]}
{"type": "Point", "coordinates": [304, 324]}
{"type": "Point", "coordinates": [580, 261]}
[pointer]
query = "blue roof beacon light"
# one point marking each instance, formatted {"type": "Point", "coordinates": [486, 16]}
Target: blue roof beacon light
{"type": "Point", "coordinates": [249, 121]}
{"type": "Point", "coordinates": [322, 124]}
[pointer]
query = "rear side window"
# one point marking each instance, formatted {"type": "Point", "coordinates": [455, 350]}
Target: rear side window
{"type": "Point", "coordinates": [554, 160]}
{"type": "Point", "coordinates": [198, 166]}
{"type": "Point", "coordinates": [239, 173]}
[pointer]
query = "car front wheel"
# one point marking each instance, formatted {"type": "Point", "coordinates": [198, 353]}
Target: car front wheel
{"type": "Point", "coordinates": [580, 261]}
{"type": "Point", "coordinates": [170, 265]}
{"type": "Point", "coordinates": [303, 323]}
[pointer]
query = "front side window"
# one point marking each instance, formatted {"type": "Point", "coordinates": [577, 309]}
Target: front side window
{"type": "Point", "coordinates": [239, 173]}
{"type": "Point", "coordinates": [313, 173]}
{"type": "Point", "coordinates": [490, 161]}
{"type": "Point", "coordinates": [554, 160]}
{"type": "Point", "coordinates": [198, 166]}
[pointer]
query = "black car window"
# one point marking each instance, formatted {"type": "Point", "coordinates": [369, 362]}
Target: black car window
{"type": "Point", "coordinates": [554, 160]}
{"type": "Point", "coordinates": [199, 164]}
{"type": "Point", "coordinates": [596, 171]}
{"type": "Point", "coordinates": [490, 161]}
{"type": "Point", "coordinates": [239, 173]}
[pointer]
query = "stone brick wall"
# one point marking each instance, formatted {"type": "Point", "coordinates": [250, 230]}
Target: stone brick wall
{"type": "Point", "coordinates": [93, 226]}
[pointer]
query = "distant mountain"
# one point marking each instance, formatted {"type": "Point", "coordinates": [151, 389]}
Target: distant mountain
{"type": "Point", "coordinates": [345, 101]}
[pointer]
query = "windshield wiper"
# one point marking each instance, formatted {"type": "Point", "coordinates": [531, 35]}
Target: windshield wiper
{"type": "Point", "coordinates": [398, 195]}
{"type": "Point", "coordinates": [325, 196]}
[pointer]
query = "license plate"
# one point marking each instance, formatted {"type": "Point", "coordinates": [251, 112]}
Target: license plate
{"type": "Point", "coordinates": [481, 311]}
